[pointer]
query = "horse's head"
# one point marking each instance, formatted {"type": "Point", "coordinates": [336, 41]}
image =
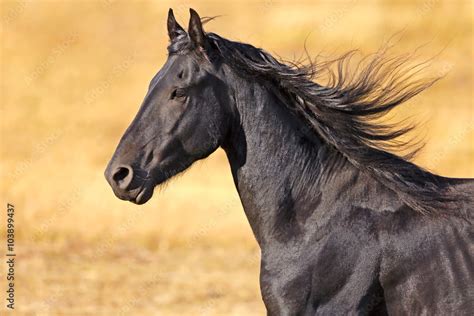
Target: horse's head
{"type": "Point", "coordinates": [181, 120]}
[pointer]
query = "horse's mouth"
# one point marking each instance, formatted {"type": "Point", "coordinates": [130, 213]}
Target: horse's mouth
{"type": "Point", "coordinates": [144, 195]}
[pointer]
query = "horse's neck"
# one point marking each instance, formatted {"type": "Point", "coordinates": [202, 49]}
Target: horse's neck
{"type": "Point", "coordinates": [282, 174]}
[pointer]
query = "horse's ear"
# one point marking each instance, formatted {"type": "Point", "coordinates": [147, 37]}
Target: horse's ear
{"type": "Point", "coordinates": [195, 31]}
{"type": "Point", "coordinates": [174, 29]}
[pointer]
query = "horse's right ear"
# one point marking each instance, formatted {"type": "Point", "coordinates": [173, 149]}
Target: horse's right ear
{"type": "Point", "coordinates": [196, 33]}
{"type": "Point", "coordinates": [174, 29]}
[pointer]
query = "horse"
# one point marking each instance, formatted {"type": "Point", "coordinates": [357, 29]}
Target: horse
{"type": "Point", "coordinates": [344, 225]}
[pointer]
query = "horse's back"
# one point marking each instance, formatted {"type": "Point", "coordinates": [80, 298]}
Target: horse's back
{"type": "Point", "coordinates": [428, 264]}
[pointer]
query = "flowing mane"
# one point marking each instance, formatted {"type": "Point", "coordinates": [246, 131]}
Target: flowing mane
{"type": "Point", "coordinates": [345, 111]}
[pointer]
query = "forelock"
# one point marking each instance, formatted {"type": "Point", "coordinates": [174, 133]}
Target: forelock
{"type": "Point", "coordinates": [180, 45]}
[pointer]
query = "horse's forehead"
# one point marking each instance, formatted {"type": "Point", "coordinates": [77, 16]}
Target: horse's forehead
{"type": "Point", "coordinates": [171, 63]}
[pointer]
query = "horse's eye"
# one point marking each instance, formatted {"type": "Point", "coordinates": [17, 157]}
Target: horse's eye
{"type": "Point", "coordinates": [178, 94]}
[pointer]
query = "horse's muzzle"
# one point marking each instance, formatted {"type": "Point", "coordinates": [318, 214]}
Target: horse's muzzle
{"type": "Point", "coordinates": [129, 184]}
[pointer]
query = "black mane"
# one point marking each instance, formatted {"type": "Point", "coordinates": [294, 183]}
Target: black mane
{"type": "Point", "coordinates": [345, 111]}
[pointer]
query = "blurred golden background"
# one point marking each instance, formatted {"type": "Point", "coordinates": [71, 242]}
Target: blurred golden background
{"type": "Point", "coordinates": [73, 74]}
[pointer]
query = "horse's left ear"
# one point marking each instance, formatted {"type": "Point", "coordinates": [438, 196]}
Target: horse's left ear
{"type": "Point", "coordinates": [174, 29]}
{"type": "Point", "coordinates": [195, 31]}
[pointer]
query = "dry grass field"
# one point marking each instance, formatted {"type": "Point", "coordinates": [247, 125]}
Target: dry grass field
{"type": "Point", "coordinates": [73, 73]}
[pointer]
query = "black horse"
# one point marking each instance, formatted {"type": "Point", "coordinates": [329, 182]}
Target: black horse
{"type": "Point", "coordinates": [344, 226]}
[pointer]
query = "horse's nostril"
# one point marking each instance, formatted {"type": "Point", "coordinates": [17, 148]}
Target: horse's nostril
{"type": "Point", "coordinates": [122, 176]}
